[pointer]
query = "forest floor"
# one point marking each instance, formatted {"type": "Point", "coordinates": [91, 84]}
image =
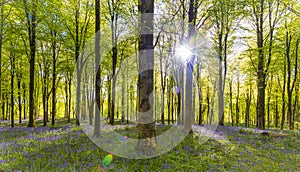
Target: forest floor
{"type": "Point", "coordinates": [67, 148]}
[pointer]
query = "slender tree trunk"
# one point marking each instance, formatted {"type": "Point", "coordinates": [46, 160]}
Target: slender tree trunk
{"type": "Point", "coordinates": [247, 112]}
{"type": "Point", "coordinates": [208, 104]}
{"type": "Point", "coordinates": [66, 99]}
{"type": "Point", "coordinates": [163, 85]}
{"type": "Point", "coordinates": [123, 100]}
{"type": "Point", "coordinates": [109, 108]}
{"type": "Point", "coordinates": [168, 103]}
{"type": "Point", "coordinates": [237, 106]}
{"type": "Point", "coordinates": [44, 103]}
{"type": "Point", "coordinates": [283, 98]}
{"type": "Point", "coordinates": [53, 33]}
{"type": "Point", "coordinates": [276, 110]}
{"type": "Point", "coordinates": [268, 105]}
{"type": "Point", "coordinates": [12, 102]}
{"type": "Point", "coordinates": [231, 103]}
{"type": "Point", "coordinates": [19, 99]}
{"type": "Point", "coordinates": [70, 97]}
{"type": "Point", "coordinates": [24, 97]}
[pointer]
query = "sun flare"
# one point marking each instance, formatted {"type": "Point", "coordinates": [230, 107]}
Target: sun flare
{"type": "Point", "coordinates": [183, 53]}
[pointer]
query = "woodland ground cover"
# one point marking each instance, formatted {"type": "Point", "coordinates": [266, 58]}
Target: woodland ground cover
{"type": "Point", "coordinates": [67, 148]}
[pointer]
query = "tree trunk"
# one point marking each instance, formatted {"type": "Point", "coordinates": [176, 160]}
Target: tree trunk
{"type": "Point", "coordinates": [123, 100]}
{"type": "Point", "coordinates": [231, 103]}
{"type": "Point", "coordinates": [276, 111]}
{"type": "Point", "coordinates": [283, 97]}
{"type": "Point", "coordinates": [208, 104]}
{"type": "Point", "coordinates": [268, 108]}
{"type": "Point", "coordinates": [12, 102]}
{"type": "Point", "coordinates": [66, 98]}
{"type": "Point", "coordinates": [221, 94]}
{"type": "Point", "coordinates": [261, 76]}
{"type": "Point", "coordinates": [168, 102]}
{"type": "Point", "coordinates": [31, 21]}
{"type": "Point", "coordinates": [53, 33]}
{"type": "Point", "coordinates": [19, 98]}
{"type": "Point", "coordinates": [237, 107]}
{"type": "Point", "coordinates": [163, 85]}
{"type": "Point", "coordinates": [24, 97]}
{"type": "Point", "coordinates": [248, 104]}
{"type": "Point", "coordinates": [70, 97]}
{"type": "Point", "coordinates": [79, 61]}
{"type": "Point", "coordinates": [97, 70]}
{"type": "Point", "coordinates": [146, 126]}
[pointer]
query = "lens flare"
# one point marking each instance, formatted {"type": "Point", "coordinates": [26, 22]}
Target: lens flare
{"type": "Point", "coordinates": [183, 53]}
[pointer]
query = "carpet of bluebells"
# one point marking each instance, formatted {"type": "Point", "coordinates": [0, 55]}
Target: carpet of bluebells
{"type": "Point", "coordinates": [67, 148]}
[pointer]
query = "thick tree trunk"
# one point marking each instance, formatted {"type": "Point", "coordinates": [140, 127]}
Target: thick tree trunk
{"type": "Point", "coordinates": [79, 61]}
{"type": "Point", "coordinates": [220, 92]}
{"type": "Point", "coordinates": [146, 126]}
{"type": "Point", "coordinates": [97, 70]}
{"type": "Point", "coordinates": [261, 76]}
{"type": "Point", "coordinates": [31, 35]}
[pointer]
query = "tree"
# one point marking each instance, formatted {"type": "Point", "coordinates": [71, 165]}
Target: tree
{"type": "Point", "coordinates": [12, 76]}
{"type": "Point", "coordinates": [31, 29]}
{"type": "Point", "coordinates": [188, 113]}
{"type": "Point", "coordinates": [97, 69]}
{"type": "Point", "coordinates": [146, 126]}
{"type": "Point", "coordinates": [78, 30]}
{"type": "Point", "coordinates": [258, 12]}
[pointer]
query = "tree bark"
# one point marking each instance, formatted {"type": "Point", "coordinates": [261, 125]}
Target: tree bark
{"type": "Point", "coordinates": [53, 33]}
{"type": "Point", "coordinates": [248, 104]}
{"type": "Point", "coordinates": [19, 99]}
{"type": "Point", "coordinates": [97, 70]}
{"type": "Point", "coordinates": [12, 75]}
{"type": "Point", "coordinates": [31, 24]}
{"type": "Point", "coordinates": [146, 126]}
{"type": "Point", "coordinates": [24, 97]}
{"type": "Point", "coordinates": [261, 76]}
{"type": "Point", "coordinates": [237, 107]}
